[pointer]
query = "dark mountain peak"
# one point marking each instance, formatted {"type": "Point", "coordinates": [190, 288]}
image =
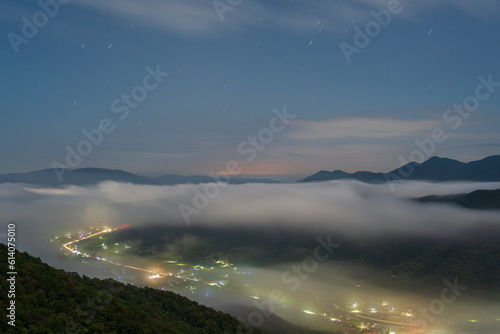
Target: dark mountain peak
{"type": "Point", "coordinates": [324, 175]}
{"type": "Point", "coordinates": [490, 159]}
{"type": "Point", "coordinates": [433, 169]}
{"type": "Point", "coordinates": [101, 171]}
{"type": "Point", "coordinates": [339, 172]}
{"type": "Point", "coordinates": [93, 175]}
{"type": "Point", "coordinates": [438, 161]}
{"type": "Point", "coordinates": [97, 170]}
{"type": "Point", "coordinates": [478, 199]}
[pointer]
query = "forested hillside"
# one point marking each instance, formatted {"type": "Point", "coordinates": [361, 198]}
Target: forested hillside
{"type": "Point", "coordinates": [48, 300]}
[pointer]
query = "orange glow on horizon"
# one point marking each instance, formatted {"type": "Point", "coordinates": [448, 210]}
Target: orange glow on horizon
{"type": "Point", "coordinates": [262, 168]}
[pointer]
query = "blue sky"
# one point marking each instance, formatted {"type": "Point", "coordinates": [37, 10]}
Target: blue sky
{"type": "Point", "coordinates": [226, 77]}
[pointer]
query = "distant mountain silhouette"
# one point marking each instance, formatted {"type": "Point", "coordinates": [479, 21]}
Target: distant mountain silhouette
{"type": "Point", "coordinates": [91, 176]}
{"type": "Point", "coordinates": [195, 179]}
{"type": "Point", "coordinates": [434, 169]}
{"type": "Point", "coordinates": [479, 199]}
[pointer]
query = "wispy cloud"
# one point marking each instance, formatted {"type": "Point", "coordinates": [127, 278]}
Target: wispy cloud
{"type": "Point", "coordinates": [199, 17]}
{"type": "Point", "coordinates": [476, 8]}
{"type": "Point", "coordinates": [486, 145]}
{"type": "Point", "coordinates": [193, 17]}
{"type": "Point", "coordinates": [358, 127]}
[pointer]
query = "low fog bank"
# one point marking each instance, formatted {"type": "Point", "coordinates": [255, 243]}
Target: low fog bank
{"type": "Point", "coordinates": [355, 208]}
{"type": "Point", "coordinates": [331, 290]}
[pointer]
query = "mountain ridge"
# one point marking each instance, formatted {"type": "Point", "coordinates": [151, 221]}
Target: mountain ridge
{"type": "Point", "coordinates": [93, 175]}
{"type": "Point", "coordinates": [481, 199]}
{"type": "Point", "coordinates": [433, 169]}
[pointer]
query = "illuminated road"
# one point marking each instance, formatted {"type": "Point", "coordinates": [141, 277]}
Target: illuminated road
{"type": "Point", "coordinates": [401, 324]}
{"type": "Point", "coordinates": [155, 274]}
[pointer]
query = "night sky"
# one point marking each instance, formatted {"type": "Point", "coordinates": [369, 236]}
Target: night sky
{"type": "Point", "coordinates": [363, 110]}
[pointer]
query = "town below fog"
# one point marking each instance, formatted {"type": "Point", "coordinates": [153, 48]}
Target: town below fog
{"type": "Point", "coordinates": [308, 293]}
